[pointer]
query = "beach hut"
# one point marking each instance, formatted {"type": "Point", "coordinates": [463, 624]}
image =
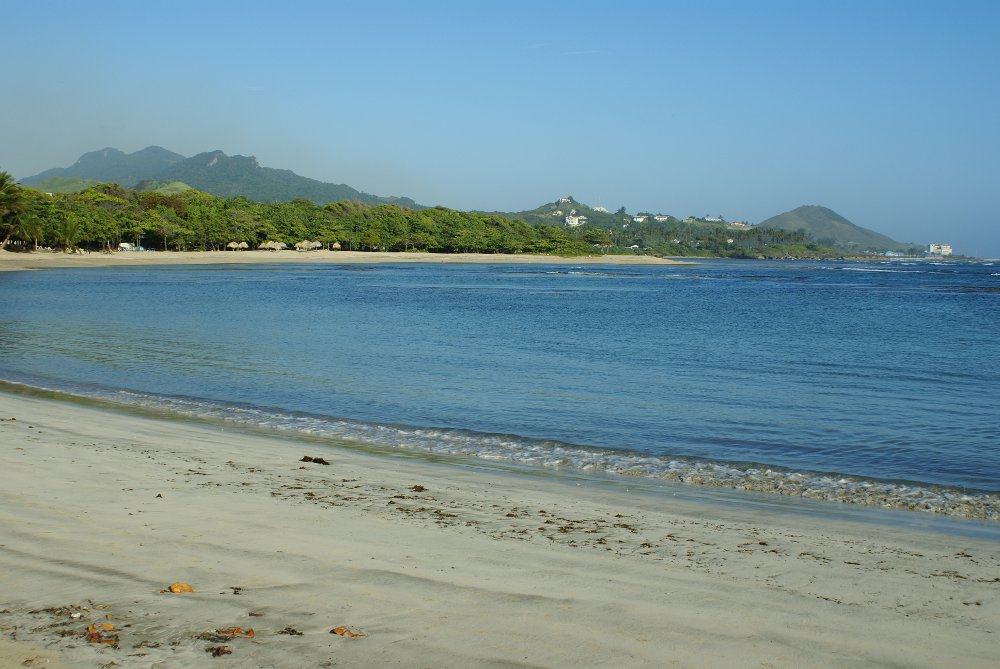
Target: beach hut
{"type": "Point", "coordinates": [335, 246]}
{"type": "Point", "coordinates": [243, 246]}
{"type": "Point", "coordinates": [306, 245]}
{"type": "Point", "coordinates": [232, 246]}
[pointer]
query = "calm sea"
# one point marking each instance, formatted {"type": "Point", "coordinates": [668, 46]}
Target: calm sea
{"type": "Point", "coordinates": [872, 382]}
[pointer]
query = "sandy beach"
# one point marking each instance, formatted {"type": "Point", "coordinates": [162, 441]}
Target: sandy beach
{"type": "Point", "coordinates": [46, 259]}
{"type": "Point", "coordinates": [438, 564]}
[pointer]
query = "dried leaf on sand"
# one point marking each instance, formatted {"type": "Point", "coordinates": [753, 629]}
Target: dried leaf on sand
{"type": "Point", "coordinates": [177, 588]}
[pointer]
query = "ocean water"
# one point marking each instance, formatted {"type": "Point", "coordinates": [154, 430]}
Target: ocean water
{"type": "Point", "coordinates": [876, 383]}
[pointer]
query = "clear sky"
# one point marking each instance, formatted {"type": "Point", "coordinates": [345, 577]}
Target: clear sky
{"type": "Point", "coordinates": [888, 112]}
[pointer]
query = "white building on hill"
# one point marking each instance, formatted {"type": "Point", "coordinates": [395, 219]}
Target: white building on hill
{"type": "Point", "coordinates": [939, 249]}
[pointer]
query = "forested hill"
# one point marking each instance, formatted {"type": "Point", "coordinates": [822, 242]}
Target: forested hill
{"type": "Point", "coordinates": [212, 172]}
{"type": "Point", "coordinates": [111, 165]}
{"type": "Point", "coordinates": [829, 228]}
{"type": "Point", "coordinates": [176, 217]}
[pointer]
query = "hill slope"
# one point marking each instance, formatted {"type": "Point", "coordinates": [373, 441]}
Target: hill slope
{"type": "Point", "coordinates": [112, 165]}
{"type": "Point", "coordinates": [212, 172]}
{"type": "Point", "coordinates": [827, 227]}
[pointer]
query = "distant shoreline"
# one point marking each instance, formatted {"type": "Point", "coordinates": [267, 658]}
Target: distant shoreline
{"type": "Point", "coordinates": [51, 260]}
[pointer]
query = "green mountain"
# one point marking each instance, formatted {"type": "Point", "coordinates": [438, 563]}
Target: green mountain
{"type": "Point", "coordinates": [65, 184]}
{"type": "Point", "coordinates": [827, 227]}
{"type": "Point", "coordinates": [213, 172]}
{"type": "Point", "coordinates": [112, 165]}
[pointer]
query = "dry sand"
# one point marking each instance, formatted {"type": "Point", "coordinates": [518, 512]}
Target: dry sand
{"type": "Point", "coordinates": [47, 259]}
{"type": "Point", "coordinates": [440, 565]}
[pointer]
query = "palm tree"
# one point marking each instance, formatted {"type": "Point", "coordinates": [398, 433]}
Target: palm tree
{"type": "Point", "coordinates": [68, 232]}
{"type": "Point", "coordinates": [11, 204]}
{"type": "Point", "coordinates": [30, 227]}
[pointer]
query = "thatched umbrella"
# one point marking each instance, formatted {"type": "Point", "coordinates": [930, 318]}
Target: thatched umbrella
{"type": "Point", "coordinates": [335, 246]}
{"type": "Point", "coordinates": [266, 246]}
{"type": "Point", "coordinates": [280, 246]}
{"type": "Point", "coordinates": [304, 245]}
{"type": "Point", "coordinates": [243, 246]}
{"type": "Point", "coordinates": [233, 246]}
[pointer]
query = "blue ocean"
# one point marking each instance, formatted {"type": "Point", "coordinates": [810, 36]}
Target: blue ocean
{"type": "Point", "coordinates": [870, 382]}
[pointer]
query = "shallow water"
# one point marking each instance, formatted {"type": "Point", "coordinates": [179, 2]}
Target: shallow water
{"type": "Point", "coordinates": [870, 382]}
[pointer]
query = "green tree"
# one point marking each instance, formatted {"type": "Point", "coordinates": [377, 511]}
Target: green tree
{"type": "Point", "coordinates": [11, 205]}
{"type": "Point", "coordinates": [69, 231]}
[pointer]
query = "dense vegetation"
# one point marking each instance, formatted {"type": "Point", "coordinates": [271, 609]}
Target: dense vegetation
{"type": "Point", "coordinates": [103, 216]}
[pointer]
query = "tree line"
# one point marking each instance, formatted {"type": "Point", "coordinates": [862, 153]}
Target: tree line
{"type": "Point", "coordinates": [106, 215]}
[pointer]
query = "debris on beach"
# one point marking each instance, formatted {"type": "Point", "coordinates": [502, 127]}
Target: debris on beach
{"type": "Point", "coordinates": [318, 461]}
{"type": "Point", "coordinates": [219, 651]}
{"type": "Point", "coordinates": [226, 634]}
{"type": "Point", "coordinates": [102, 633]}
{"type": "Point", "coordinates": [418, 488]}
{"type": "Point", "coordinates": [177, 588]}
{"type": "Point", "coordinates": [290, 631]}
{"type": "Point", "coordinates": [347, 633]}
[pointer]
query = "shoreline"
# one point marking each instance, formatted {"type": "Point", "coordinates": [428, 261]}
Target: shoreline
{"type": "Point", "coordinates": [684, 475]}
{"type": "Point", "coordinates": [45, 260]}
{"type": "Point", "coordinates": [440, 565]}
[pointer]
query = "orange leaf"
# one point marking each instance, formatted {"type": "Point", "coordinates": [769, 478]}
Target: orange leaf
{"type": "Point", "coordinates": [250, 633]}
{"type": "Point", "coordinates": [106, 626]}
{"type": "Point", "coordinates": [344, 632]}
{"type": "Point", "coordinates": [180, 587]}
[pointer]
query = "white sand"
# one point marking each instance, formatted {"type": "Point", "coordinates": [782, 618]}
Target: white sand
{"type": "Point", "coordinates": [45, 259]}
{"type": "Point", "coordinates": [99, 511]}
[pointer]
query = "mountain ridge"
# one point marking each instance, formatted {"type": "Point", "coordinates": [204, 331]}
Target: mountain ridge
{"type": "Point", "coordinates": [213, 172]}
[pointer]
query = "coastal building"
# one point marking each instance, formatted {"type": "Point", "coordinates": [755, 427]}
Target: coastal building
{"type": "Point", "coordinates": [738, 225]}
{"type": "Point", "coordinates": [575, 221]}
{"type": "Point", "coordinates": [939, 249]}
{"type": "Point", "coordinates": [660, 218]}
{"type": "Point", "coordinates": [639, 219]}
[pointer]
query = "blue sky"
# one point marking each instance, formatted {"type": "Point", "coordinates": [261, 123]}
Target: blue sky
{"type": "Point", "coordinates": [884, 111]}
